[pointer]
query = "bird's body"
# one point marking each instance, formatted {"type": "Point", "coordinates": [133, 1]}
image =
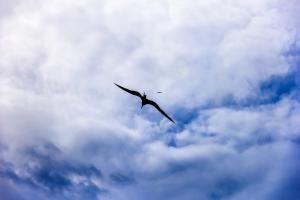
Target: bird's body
{"type": "Point", "coordinates": [145, 101]}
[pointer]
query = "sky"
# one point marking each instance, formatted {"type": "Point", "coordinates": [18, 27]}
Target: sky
{"type": "Point", "coordinates": [229, 73]}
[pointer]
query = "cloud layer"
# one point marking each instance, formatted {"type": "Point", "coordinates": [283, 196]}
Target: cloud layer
{"type": "Point", "coordinates": [229, 73]}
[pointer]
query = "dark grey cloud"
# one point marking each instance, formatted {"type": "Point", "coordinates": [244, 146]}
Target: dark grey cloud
{"type": "Point", "coordinates": [122, 179]}
{"type": "Point", "coordinates": [46, 171]}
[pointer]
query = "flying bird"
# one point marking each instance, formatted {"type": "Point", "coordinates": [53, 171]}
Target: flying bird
{"type": "Point", "coordinates": [146, 101]}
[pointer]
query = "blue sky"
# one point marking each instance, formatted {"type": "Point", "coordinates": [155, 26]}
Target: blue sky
{"type": "Point", "coordinates": [229, 73]}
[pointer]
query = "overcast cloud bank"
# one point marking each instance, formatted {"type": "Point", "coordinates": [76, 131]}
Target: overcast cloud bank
{"type": "Point", "coordinates": [229, 73]}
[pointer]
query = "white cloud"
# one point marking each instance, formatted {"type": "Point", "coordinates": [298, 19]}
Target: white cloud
{"type": "Point", "coordinates": [58, 62]}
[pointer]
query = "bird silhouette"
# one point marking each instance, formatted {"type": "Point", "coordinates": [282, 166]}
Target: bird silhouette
{"type": "Point", "coordinates": [146, 101]}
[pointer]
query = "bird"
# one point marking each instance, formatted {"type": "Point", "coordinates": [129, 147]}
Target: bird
{"type": "Point", "coordinates": [146, 101]}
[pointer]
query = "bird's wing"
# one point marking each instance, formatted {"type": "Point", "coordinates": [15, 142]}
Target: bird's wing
{"type": "Point", "coordinates": [160, 110]}
{"type": "Point", "coordinates": [129, 91]}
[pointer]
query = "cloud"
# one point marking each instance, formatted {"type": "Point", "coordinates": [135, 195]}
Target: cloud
{"type": "Point", "coordinates": [228, 71]}
{"type": "Point", "coordinates": [47, 172]}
